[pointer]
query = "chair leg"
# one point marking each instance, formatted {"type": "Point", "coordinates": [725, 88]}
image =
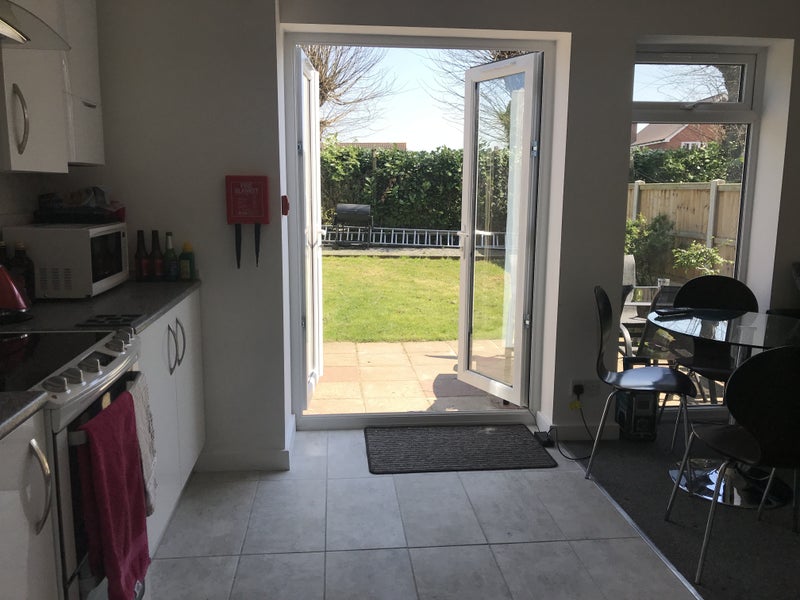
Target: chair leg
{"type": "Point", "coordinates": [599, 432]}
{"type": "Point", "coordinates": [765, 494]}
{"type": "Point", "coordinates": [683, 411]}
{"type": "Point", "coordinates": [661, 410]}
{"type": "Point", "coordinates": [795, 503]}
{"type": "Point", "coordinates": [710, 521]}
{"type": "Point", "coordinates": [681, 470]}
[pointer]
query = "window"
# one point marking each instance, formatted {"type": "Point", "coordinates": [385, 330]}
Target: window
{"type": "Point", "coordinates": [694, 116]}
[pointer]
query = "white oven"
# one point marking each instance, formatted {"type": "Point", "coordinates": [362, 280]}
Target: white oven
{"type": "Point", "coordinates": [80, 371]}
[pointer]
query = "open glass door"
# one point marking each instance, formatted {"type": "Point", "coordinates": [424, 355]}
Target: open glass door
{"type": "Point", "coordinates": [502, 109]}
{"type": "Point", "coordinates": [309, 149]}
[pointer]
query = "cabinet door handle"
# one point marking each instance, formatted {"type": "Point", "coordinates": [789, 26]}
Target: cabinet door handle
{"type": "Point", "coordinates": [48, 484]}
{"type": "Point", "coordinates": [179, 325]}
{"type": "Point", "coordinates": [174, 336]}
{"type": "Point", "coordinates": [88, 104]}
{"type": "Point", "coordinates": [25, 118]}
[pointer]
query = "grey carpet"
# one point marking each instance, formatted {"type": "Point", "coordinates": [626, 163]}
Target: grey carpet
{"type": "Point", "coordinates": [746, 559]}
{"type": "Point", "coordinates": [453, 448]}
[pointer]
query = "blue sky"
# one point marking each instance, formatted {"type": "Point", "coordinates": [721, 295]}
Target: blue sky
{"type": "Point", "coordinates": [410, 115]}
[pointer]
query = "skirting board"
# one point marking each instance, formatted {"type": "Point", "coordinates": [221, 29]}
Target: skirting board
{"type": "Point", "coordinates": [270, 460]}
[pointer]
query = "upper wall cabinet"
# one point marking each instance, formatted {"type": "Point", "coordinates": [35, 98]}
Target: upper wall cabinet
{"type": "Point", "coordinates": [51, 112]}
{"type": "Point", "coordinates": [84, 114]}
{"type": "Point", "coordinates": [33, 123]}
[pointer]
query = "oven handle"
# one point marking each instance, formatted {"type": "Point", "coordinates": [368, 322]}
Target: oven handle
{"type": "Point", "coordinates": [183, 337]}
{"type": "Point", "coordinates": [48, 484]}
{"type": "Point", "coordinates": [174, 334]}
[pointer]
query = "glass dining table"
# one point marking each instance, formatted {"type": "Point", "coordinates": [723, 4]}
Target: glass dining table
{"type": "Point", "coordinates": [745, 333]}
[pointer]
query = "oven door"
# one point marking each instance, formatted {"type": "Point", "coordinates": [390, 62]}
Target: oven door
{"type": "Point", "coordinates": [77, 580]}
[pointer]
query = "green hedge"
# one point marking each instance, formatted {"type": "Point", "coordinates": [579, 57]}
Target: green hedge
{"type": "Point", "coordinates": [415, 189]}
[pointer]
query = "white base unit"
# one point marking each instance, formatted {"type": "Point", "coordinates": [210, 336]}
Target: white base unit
{"type": "Point", "coordinates": [27, 558]}
{"type": "Point", "coordinates": [172, 362]}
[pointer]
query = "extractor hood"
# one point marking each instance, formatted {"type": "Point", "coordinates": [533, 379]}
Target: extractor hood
{"type": "Point", "coordinates": [21, 29]}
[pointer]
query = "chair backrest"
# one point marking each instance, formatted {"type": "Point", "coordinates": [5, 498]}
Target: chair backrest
{"type": "Point", "coordinates": [605, 318]}
{"type": "Point", "coordinates": [763, 397]}
{"type": "Point", "coordinates": [716, 291]}
{"type": "Point", "coordinates": [653, 343]}
{"type": "Point", "coordinates": [628, 270]}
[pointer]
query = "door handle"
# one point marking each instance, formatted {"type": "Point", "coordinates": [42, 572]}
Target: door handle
{"type": "Point", "coordinates": [174, 336]}
{"type": "Point", "coordinates": [183, 337]}
{"type": "Point", "coordinates": [22, 144]}
{"type": "Point", "coordinates": [48, 484]}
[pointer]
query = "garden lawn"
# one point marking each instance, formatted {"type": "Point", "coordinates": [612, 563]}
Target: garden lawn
{"type": "Point", "coordinates": [398, 299]}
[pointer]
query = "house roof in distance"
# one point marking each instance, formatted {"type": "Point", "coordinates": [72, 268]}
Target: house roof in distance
{"type": "Point", "coordinates": [657, 133]}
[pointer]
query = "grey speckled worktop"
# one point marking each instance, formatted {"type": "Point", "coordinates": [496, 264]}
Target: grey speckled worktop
{"type": "Point", "coordinates": [150, 300]}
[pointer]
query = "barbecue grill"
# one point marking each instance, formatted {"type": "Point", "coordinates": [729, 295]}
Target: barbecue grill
{"type": "Point", "coordinates": [352, 225]}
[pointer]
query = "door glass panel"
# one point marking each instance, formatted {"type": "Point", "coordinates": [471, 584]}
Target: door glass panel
{"type": "Point", "coordinates": [498, 212]}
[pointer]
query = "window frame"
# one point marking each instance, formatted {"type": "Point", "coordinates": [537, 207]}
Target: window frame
{"type": "Point", "coordinates": [746, 111]}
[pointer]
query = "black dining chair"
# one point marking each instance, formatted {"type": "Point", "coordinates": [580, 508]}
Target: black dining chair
{"type": "Point", "coordinates": [762, 398]}
{"type": "Point", "coordinates": [658, 380]}
{"type": "Point", "coordinates": [713, 360]}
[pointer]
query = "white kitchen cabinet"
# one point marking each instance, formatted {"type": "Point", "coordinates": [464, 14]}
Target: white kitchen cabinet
{"type": "Point", "coordinates": [33, 127]}
{"type": "Point", "coordinates": [27, 558]}
{"type": "Point", "coordinates": [172, 361]}
{"type": "Point", "coordinates": [189, 385]}
{"type": "Point", "coordinates": [84, 108]}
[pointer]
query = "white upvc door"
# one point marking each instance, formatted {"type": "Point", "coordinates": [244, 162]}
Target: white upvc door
{"type": "Point", "coordinates": [309, 155]}
{"type": "Point", "coordinates": [501, 131]}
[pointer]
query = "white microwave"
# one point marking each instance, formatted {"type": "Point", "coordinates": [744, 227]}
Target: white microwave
{"type": "Point", "coordinates": [73, 261]}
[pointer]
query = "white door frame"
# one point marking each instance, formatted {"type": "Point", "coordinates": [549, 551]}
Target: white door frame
{"type": "Point", "coordinates": [420, 38]}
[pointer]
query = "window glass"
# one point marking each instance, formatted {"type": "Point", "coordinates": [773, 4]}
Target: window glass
{"type": "Point", "coordinates": [688, 82]}
{"type": "Point", "coordinates": [684, 195]}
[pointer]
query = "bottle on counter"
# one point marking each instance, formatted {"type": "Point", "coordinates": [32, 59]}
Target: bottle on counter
{"type": "Point", "coordinates": [156, 258]}
{"type": "Point", "coordinates": [140, 259]}
{"type": "Point", "coordinates": [171, 266]}
{"type": "Point", "coordinates": [21, 269]}
{"type": "Point", "coordinates": [186, 262]}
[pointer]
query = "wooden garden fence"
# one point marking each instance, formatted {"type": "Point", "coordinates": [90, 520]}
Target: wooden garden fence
{"type": "Point", "coordinates": [704, 212]}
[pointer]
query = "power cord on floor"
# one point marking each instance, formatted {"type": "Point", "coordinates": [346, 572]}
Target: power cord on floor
{"type": "Point", "coordinates": [577, 390]}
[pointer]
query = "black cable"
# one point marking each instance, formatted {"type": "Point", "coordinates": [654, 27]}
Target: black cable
{"type": "Point", "coordinates": [558, 445]}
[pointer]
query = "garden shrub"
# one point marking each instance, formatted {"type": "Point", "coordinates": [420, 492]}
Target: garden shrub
{"type": "Point", "coordinates": [414, 189]}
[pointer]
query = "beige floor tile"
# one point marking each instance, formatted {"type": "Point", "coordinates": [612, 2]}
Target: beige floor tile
{"type": "Point", "coordinates": [338, 347]}
{"type": "Point", "coordinates": [338, 389]}
{"type": "Point", "coordinates": [349, 359]}
{"type": "Point", "coordinates": [429, 348]}
{"type": "Point", "coordinates": [393, 373]}
{"type": "Point", "coordinates": [380, 348]}
{"type": "Point", "coordinates": [448, 386]}
{"type": "Point", "coordinates": [392, 389]}
{"type": "Point", "coordinates": [336, 374]}
{"type": "Point", "coordinates": [335, 406]}
{"type": "Point", "coordinates": [384, 405]}
{"type": "Point", "coordinates": [383, 360]}
{"type": "Point", "coordinates": [431, 372]}
{"type": "Point", "coordinates": [441, 361]}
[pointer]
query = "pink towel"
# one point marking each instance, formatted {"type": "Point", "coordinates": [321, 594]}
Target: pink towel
{"type": "Point", "coordinates": [112, 494]}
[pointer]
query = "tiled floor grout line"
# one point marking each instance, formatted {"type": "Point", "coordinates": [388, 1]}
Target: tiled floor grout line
{"type": "Point", "coordinates": [405, 535]}
{"type": "Point", "coordinates": [325, 519]}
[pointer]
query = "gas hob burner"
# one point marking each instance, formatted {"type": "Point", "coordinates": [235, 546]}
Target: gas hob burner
{"type": "Point", "coordinates": [110, 321]}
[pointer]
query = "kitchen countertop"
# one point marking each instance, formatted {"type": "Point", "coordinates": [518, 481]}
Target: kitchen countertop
{"type": "Point", "coordinates": [149, 299]}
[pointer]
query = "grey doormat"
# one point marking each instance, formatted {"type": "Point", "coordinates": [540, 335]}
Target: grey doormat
{"type": "Point", "coordinates": [453, 448]}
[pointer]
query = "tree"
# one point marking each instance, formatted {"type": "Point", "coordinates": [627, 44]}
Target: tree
{"type": "Point", "coordinates": [350, 84]}
{"type": "Point", "coordinates": [450, 65]}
